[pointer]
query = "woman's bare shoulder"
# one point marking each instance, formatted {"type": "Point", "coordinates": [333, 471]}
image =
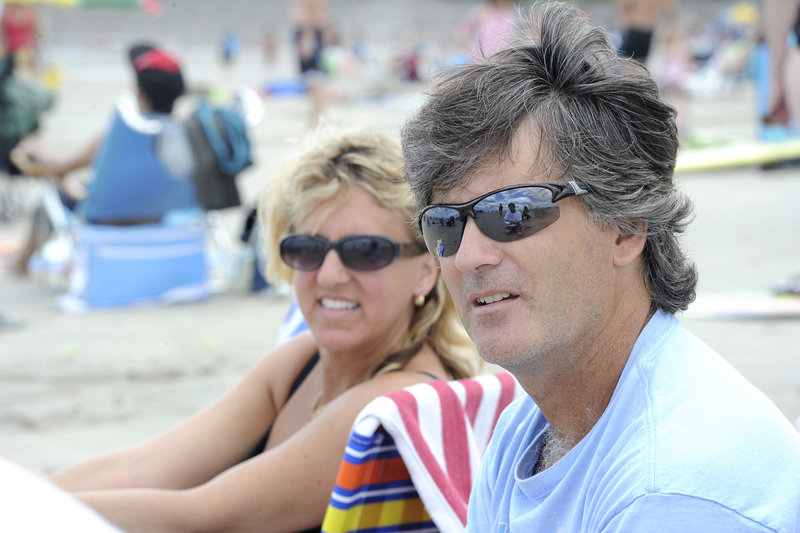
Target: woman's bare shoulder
{"type": "Point", "coordinates": [424, 366]}
{"type": "Point", "coordinates": [281, 365]}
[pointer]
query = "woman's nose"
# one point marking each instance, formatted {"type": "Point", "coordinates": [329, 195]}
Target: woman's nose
{"type": "Point", "coordinates": [332, 271]}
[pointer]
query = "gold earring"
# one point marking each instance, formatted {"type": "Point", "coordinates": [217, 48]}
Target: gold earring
{"type": "Point", "coordinates": [419, 300]}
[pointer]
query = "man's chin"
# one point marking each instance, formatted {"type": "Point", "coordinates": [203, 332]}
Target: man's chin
{"type": "Point", "coordinates": [495, 349]}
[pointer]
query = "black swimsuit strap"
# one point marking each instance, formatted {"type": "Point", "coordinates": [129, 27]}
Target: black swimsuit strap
{"type": "Point", "coordinates": [301, 377]}
{"type": "Point", "coordinates": [304, 372]}
{"type": "Point", "coordinates": [432, 376]}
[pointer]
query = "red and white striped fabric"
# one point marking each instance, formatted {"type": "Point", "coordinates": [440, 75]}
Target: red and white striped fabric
{"type": "Point", "coordinates": [441, 430]}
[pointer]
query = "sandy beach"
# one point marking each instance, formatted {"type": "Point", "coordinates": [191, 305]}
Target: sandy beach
{"type": "Point", "coordinates": [73, 385]}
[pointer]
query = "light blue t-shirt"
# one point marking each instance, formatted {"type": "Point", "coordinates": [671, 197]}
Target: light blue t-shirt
{"type": "Point", "coordinates": [686, 444]}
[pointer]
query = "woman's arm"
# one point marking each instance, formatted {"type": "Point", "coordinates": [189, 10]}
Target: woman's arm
{"type": "Point", "coordinates": [207, 443]}
{"type": "Point", "coordinates": [285, 488]}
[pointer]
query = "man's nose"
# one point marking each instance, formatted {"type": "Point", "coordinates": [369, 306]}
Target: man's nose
{"type": "Point", "coordinates": [476, 249]}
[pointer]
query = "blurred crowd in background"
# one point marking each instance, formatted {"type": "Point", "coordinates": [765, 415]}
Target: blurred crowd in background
{"type": "Point", "coordinates": [332, 51]}
{"type": "Point", "coordinates": [709, 47]}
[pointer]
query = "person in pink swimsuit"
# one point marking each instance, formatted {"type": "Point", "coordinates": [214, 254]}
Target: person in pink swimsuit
{"type": "Point", "coordinates": [490, 26]}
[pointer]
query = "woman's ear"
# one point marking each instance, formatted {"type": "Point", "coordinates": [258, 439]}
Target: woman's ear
{"type": "Point", "coordinates": [629, 246]}
{"type": "Point", "coordinates": [428, 274]}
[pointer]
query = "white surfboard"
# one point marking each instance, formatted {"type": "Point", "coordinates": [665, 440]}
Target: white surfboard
{"type": "Point", "coordinates": [737, 154]}
{"type": "Point", "coordinates": [744, 304]}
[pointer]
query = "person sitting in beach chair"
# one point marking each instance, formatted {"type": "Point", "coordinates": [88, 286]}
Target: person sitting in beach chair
{"type": "Point", "coordinates": [23, 102]}
{"type": "Point", "coordinates": [142, 166]}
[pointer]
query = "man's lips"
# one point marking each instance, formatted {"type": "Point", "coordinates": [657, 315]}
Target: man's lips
{"type": "Point", "coordinates": [492, 298]}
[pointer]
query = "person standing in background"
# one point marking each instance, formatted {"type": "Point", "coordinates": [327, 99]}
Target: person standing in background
{"type": "Point", "coordinates": [231, 46]}
{"type": "Point", "coordinates": [638, 19]}
{"type": "Point", "coordinates": [782, 29]}
{"type": "Point", "coordinates": [489, 26]}
{"type": "Point", "coordinates": [20, 31]}
{"type": "Point", "coordinates": [310, 24]}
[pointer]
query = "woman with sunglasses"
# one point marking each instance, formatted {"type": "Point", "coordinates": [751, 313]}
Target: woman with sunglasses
{"type": "Point", "coordinates": [340, 225]}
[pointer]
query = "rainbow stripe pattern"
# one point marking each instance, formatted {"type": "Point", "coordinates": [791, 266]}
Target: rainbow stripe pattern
{"type": "Point", "coordinates": [413, 455]}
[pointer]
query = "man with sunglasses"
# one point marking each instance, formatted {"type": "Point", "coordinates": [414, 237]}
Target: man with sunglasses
{"type": "Point", "coordinates": [632, 423]}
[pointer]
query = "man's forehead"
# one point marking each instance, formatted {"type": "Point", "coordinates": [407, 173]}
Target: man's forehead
{"type": "Point", "coordinates": [482, 181]}
{"type": "Point", "coordinates": [524, 161]}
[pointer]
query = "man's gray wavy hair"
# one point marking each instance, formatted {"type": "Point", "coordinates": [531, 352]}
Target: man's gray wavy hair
{"type": "Point", "coordinates": [599, 119]}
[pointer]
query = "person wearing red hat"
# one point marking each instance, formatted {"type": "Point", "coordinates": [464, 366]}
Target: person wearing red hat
{"type": "Point", "coordinates": [132, 183]}
{"type": "Point", "coordinates": [159, 83]}
{"type": "Point", "coordinates": [158, 78]}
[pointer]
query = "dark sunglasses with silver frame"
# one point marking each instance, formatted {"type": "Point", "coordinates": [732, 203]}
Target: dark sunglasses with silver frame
{"type": "Point", "coordinates": [358, 252]}
{"type": "Point", "coordinates": [506, 214]}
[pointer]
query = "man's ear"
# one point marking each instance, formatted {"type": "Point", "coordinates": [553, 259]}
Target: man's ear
{"type": "Point", "coordinates": [629, 246]}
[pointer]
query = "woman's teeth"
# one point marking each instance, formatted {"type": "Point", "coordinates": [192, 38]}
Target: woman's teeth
{"type": "Point", "coordinates": [337, 305]}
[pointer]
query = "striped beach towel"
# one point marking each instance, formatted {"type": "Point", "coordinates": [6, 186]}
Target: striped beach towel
{"type": "Point", "coordinates": [414, 454]}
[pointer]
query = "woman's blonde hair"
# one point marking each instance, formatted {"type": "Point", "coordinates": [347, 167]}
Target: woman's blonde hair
{"type": "Point", "coordinates": [332, 161]}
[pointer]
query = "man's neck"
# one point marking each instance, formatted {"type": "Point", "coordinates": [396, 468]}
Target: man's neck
{"type": "Point", "coordinates": [143, 102]}
{"type": "Point", "coordinates": [574, 400]}
{"type": "Point", "coordinates": [554, 447]}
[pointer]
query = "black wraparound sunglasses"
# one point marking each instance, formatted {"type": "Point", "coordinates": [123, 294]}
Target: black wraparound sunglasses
{"type": "Point", "coordinates": [504, 215]}
{"type": "Point", "coordinates": [358, 252]}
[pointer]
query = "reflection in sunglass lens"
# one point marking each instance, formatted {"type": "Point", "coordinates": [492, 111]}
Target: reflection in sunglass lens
{"type": "Point", "coordinates": [506, 215]}
{"type": "Point", "coordinates": [303, 252]}
{"type": "Point", "coordinates": [442, 228]}
{"type": "Point", "coordinates": [524, 211]}
{"type": "Point", "coordinates": [366, 253]}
